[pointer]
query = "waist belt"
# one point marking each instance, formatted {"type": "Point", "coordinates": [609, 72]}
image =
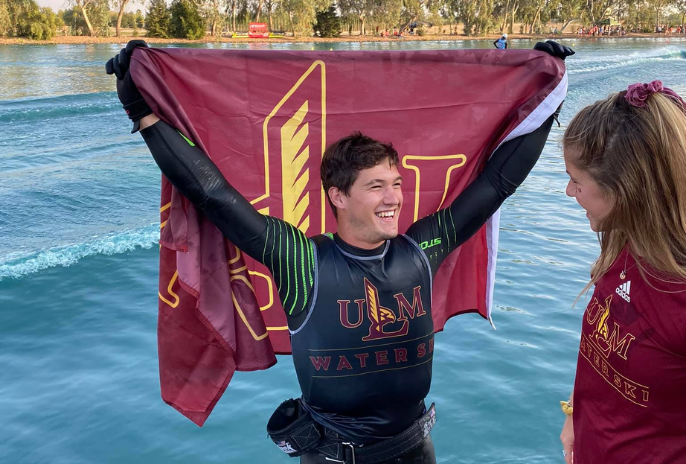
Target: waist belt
{"type": "Point", "coordinates": [294, 431]}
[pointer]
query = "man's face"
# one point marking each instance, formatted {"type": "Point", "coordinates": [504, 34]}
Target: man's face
{"type": "Point", "coordinates": [370, 212]}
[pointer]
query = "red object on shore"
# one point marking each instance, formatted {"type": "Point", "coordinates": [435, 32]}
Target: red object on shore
{"type": "Point", "coordinates": [258, 31]}
{"type": "Point", "coordinates": [265, 118]}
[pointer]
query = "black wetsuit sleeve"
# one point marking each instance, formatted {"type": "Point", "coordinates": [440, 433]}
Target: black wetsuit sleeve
{"type": "Point", "coordinates": [442, 232]}
{"type": "Point", "coordinates": [284, 249]}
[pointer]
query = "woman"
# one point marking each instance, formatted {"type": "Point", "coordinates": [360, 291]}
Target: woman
{"type": "Point", "coordinates": [626, 159]}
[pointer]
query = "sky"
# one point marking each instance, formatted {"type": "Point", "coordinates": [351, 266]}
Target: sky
{"type": "Point", "coordinates": [63, 5]}
{"type": "Point", "coordinates": [54, 4]}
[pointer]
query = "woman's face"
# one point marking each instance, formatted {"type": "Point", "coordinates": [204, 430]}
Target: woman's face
{"type": "Point", "coordinates": [590, 196]}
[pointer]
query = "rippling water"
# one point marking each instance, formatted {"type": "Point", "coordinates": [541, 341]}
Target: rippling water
{"type": "Point", "coordinates": [78, 281]}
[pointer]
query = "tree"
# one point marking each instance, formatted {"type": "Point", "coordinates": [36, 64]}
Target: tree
{"type": "Point", "coordinates": [82, 6]}
{"type": "Point", "coordinates": [300, 14]}
{"type": "Point", "coordinates": [157, 19]}
{"type": "Point", "coordinates": [386, 13]}
{"type": "Point", "coordinates": [569, 11]}
{"type": "Point", "coordinates": [119, 5]}
{"type": "Point", "coordinates": [5, 20]}
{"type": "Point", "coordinates": [477, 16]}
{"type": "Point", "coordinates": [24, 18]}
{"type": "Point", "coordinates": [186, 22]}
{"type": "Point", "coordinates": [128, 20]}
{"type": "Point", "coordinates": [327, 24]}
{"type": "Point", "coordinates": [360, 9]}
{"type": "Point", "coordinates": [213, 13]}
{"type": "Point", "coordinates": [680, 6]}
{"type": "Point", "coordinates": [416, 11]}
{"type": "Point", "coordinates": [659, 6]}
{"type": "Point", "coordinates": [270, 6]}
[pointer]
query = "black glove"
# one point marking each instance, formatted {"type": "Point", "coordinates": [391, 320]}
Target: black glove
{"type": "Point", "coordinates": [128, 93]}
{"type": "Point", "coordinates": [555, 49]}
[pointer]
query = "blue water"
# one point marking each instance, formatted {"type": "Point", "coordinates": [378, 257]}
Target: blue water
{"type": "Point", "coordinates": [78, 282]}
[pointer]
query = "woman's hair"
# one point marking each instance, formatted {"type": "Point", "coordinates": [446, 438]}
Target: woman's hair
{"type": "Point", "coordinates": [638, 158]}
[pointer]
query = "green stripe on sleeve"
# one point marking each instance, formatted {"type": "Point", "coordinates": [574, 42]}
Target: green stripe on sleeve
{"type": "Point", "coordinates": [302, 266]}
{"type": "Point", "coordinates": [186, 139]}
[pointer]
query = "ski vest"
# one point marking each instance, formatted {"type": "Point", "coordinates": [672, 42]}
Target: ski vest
{"type": "Point", "coordinates": [364, 354]}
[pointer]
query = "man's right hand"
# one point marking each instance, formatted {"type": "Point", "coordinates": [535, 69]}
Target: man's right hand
{"type": "Point", "coordinates": [128, 93]}
{"type": "Point", "coordinates": [119, 64]}
{"type": "Point", "coordinates": [567, 439]}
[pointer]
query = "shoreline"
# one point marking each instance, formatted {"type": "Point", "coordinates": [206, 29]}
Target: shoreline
{"type": "Point", "coordinates": [85, 40]}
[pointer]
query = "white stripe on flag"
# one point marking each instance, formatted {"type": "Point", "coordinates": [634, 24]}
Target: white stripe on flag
{"type": "Point", "coordinates": [530, 124]}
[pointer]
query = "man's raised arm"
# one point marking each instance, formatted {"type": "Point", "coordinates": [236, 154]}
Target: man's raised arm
{"type": "Point", "coordinates": [271, 241]}
{"type": "Point", "coordinates": [504, 172]}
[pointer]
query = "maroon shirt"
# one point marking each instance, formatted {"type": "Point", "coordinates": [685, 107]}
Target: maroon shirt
{"type": "Point", "coordinates": [630, 389]}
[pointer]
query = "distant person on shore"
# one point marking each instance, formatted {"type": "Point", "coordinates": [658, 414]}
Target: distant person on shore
{"type": "Point", "coordinates": [501, 43]}
{"type": "Point", "coordinates": [626, 159]}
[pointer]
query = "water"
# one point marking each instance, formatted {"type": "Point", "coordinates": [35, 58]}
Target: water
{"type": "Point", "coordinates": [78, 280]}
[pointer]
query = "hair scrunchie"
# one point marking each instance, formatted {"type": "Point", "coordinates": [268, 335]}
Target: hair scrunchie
{"type": "Point", "coordinates": [637, 94]}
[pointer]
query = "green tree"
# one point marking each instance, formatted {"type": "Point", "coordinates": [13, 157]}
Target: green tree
{"type": "Point", "coordinates": [157, 19]}
{"type": "Point", "coordinates": [74, 20]}
{"type": "Point", "coordinates": [5, 20]}
{"type": "Point", "coordinates": [680, 6]}
{"type": "Point", "coordinates": [24, 18]}
{"type": "Point", "coordinates": [270, 6]}
{"type": "Point", "coordinates": [418, 11]}
{"type": "Point", "coordinates": [300, 14]}
{"type": "Point", "coordinates": [327, 24]}
{"type": "Point", "coordinates": [120, 5]}
{"type": "Point", "coordinates": [82, 6]}
{"type": "Point", "coordinates": [386, 13]}
{"type": "Point", "coordinates": [140, 20]}
{"type": "Point", "coordinates": [186, 22]}
{"type": "Point", "coordinates": [212, 12]}
{"type": "Point", "coordinates": [128, 20]}
{"type": "Point", "coordinates": [360, 9]}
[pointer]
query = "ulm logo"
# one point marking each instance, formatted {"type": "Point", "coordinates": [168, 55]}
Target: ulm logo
{"type": "Point", "coordinates": [608, 342]}
{"type": "Point", "coordinates": [379, 316]}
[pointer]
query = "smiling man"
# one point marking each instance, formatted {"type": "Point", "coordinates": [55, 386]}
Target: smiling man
{"type": "Point", "coordinates": [363, 386]}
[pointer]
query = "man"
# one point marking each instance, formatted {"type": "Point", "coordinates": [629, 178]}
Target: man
{"type": "Point", "coordinates": [374, 412]}
{"type": "Point", "coordinates": [501, 43]}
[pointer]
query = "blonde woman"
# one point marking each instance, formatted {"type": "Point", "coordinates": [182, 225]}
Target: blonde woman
{"type": "Point", "coordinates": [626, 159]}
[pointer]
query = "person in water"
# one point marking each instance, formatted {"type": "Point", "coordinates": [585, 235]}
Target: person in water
{"type": "Point", "coordinates": [626, 160]}
{"type": "Point", "coordinates": [501, 43]}
{"type": "Point", "coordinates": [380, 416]}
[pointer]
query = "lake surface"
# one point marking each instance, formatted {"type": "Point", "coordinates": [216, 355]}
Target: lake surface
{"type": "Point", "coordinates": [79, 200]}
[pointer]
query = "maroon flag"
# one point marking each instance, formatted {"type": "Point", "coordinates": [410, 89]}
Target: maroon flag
{"type": "Point", "coordinates": [265, 118]}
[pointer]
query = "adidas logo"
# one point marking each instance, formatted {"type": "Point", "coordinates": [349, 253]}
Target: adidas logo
{"type": "Point", "coordinates": [623, 291]}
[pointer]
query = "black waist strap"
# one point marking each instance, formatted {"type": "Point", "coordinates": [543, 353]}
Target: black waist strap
{"type": "Point", "coordinates": [294, 431]}
{"type": "Point", "coordinates": [392, 447]}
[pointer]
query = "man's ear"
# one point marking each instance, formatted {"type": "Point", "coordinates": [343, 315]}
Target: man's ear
{"type": "Point", "coordinates": [337, 197]}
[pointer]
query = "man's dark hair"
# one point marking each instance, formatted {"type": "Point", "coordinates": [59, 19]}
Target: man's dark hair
{"type": "Point", "coordinates": [344, 159]}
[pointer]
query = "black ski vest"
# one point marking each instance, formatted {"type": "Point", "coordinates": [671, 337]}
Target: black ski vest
{"type": "Point", "coordinates": [364, 354]}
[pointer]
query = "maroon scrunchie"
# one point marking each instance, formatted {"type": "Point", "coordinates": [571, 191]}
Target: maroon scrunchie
{"type": "Point", "coordinates": [637, 94]}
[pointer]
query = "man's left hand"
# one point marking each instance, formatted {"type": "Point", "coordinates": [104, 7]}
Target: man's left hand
{"type": "Point", "coordinates": [555, 49]}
